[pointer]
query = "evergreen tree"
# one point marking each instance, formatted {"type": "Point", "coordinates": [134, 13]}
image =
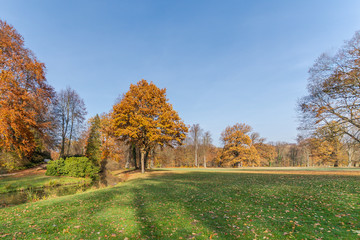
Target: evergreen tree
{"type": "Point", "coordinates": [93, 145]}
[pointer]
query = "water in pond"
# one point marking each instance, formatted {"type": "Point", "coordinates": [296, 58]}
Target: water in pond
{"type": "Point", "coordinates": [29, 195]}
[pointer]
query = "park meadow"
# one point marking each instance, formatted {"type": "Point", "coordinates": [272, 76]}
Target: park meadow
{"type": "Point", "coordinates": [139, 170]}
{"type": "Point", "coordinates": [188, 203]}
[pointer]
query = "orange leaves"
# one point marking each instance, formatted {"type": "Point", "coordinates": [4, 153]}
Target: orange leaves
{"type": "Point", "coordinates": [111, 148]}
{"type": "Point", "coordinates": [267, 153]}
{"type": "Point", "coordinates": [145, 117]}
{"type": "Point", "coordinates": [238, 148]}
{"type": "Point", "coordinates": [24, 94]}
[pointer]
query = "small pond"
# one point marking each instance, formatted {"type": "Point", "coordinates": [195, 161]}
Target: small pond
{"type": "Point", "coordinates": [35, 194]}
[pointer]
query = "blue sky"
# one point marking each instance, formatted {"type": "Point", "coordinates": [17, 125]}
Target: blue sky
{"type": "Point", "coordinates": [222, 62]}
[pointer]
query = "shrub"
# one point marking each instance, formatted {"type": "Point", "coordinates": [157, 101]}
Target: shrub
{"type": "Point", "coordinates": [10, 161]}
{"type": "Point", "coordinates": [81, 167]}
{"type": "Point", "coordinates": [73, 167]}
{"type": "Point", "coordinates": [55, 168]}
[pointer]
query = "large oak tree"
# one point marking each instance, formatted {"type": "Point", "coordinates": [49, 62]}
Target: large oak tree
{"type": "Point", "coordinates": [144, 117]}
{"type": "Point", "coordinates": [238, 148]}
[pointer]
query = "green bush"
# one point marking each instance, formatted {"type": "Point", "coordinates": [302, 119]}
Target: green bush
{"type": "Point", "coordinates": [56, 168]}
{"type": "Point", "coordinates": [10, 161]}
{"type": "Point", "coordinates": [73, 167]}
{"type": "Point", "coordinates": [81, 167]}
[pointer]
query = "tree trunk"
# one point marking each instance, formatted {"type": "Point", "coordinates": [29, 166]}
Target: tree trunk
{"type": "Point", "coordinates": [152, 161]}
{"type": "Point", "coordinates": [146, 158]}
{"type": "Point", "coordinates": [142, 154]}
{"type": "Point", "coordinates": [204, 161]}
{"type": "Point", "coordinates": [128, 160]}
{"type": "Point", "coordinates": [196, 160]}
{"type": "Point", "coordinates": [70, 137]}
{"type": "Point", "coordinates": [349, 153]}
{"type": "Point", "coordinates": [134, 156]}
{"type": "Point", "coordinates": [62, 152]}
{"type": "Point", "coordinates": [307, 160]}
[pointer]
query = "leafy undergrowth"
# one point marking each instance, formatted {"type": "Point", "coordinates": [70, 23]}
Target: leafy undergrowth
{"type": "Point", "coordinates": [10, 184]}
{"type": "Point", "coordinates": [198, 205]}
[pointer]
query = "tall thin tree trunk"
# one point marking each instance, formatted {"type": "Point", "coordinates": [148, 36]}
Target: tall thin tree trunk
{"type": "Point", "coordinates": [196, 159]}
{"type": "Point", "coordinates": [134, 156]}
{"type": "Point", "coordinates": [307, 159]}
{"type": "Point", "coordinates": [63, 136]}
{"type": "Point", "coordinates": [142, 154]}
{"type": "Point", "coordinates": [204, 161]}
{"type": "Point", "coordinates": [349, 153]}
{"type": "Point", "coordinates": [152, 160]}
{"type": "Point", "coordinates": [146, 158]}
{"type": "Point", "coordinates": [128, 160]}
{"type": "Point", "coordinates": [70, 136]}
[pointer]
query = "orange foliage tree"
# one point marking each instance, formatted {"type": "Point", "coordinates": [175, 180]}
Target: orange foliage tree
{"type": "Point", "coordinates": [111, 147]}
{"type": "Point", "coordinates": [267, 153]}
{"type": "Point", "coordinates": [25, 96]}
{"type": "Point", "coordinates": [238, 148]}
{"type": "Point", "coordinates": [145, 118]}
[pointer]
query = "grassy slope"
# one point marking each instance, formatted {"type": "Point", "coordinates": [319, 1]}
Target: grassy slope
{"type": "Point", "coordinates": [9, 184]}
{"type": "Point", "coordinates": [199, 205]}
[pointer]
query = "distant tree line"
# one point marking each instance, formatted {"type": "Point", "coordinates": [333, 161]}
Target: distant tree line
{"type": "Point", "coordinates": [144, 131]}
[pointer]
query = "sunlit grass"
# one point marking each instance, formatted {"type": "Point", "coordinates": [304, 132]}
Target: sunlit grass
{"type": "Point", "coordinates": [200, 205]}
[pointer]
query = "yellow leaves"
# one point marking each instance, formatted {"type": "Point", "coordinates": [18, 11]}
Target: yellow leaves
{"type": "Point", "coordinates": [146, 118]}
{"type": "Point", "coordinates": [238, 147]}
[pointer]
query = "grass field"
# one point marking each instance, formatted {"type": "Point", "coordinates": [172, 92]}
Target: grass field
{"type": "Point", "coordinates": [199, 205]}
{"type": "Point", "coordinates": [10, 184]}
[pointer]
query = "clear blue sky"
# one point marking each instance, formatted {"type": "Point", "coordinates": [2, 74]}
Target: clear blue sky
{"type": "Point", "coordinates": [222, 62]}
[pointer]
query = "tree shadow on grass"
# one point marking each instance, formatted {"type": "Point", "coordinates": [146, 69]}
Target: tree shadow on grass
{"type": "Point", "coordinates": [180, 190]}
{"type": "Point", "coordinates": [236, 206]}
{"type": "Point", "coordinates": [66, 216]}
{"type": "Point", "coordinates": [149, 227]}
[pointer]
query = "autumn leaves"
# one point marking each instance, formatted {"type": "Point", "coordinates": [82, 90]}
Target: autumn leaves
{"type": "Point", "coordinates": [330, 112]}
{"type": "Point", "coordinates": [144, 117]}
{"type": "Point", "coordinates": [25, 96]}
{"type": "Point", "coordinates": [243, 148]}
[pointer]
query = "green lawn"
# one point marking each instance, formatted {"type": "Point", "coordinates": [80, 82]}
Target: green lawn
{"type": "Point", "coordinates": [10, 184]}
{"type": "Point", "coordinates": [268, 169]}
{"type": "Point", "coordinates": [199, 205]}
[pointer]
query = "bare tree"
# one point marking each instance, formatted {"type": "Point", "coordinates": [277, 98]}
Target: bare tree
{"type": "Point", "coordinates": [255, 138]}
{"type": "Point", "coordinates": [206, 142]}
{"type": "Point", "coordinates": [303, 144]}
{"type": "Point", "coordinates": [195, 134]}
{"type": "Point", "coordinates": [351, 147]}
{"type": "Point", "coordinates": [70, 112]}
{"type": "Point", "coordinates": [334, 93]}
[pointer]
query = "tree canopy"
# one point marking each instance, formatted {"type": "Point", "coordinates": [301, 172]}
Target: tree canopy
{"type": "Point", "coordinates": [334, 91]}
{"type": "Point", "coordinates": [238, 148]}
{"type": "Point", "coordinates": [146, 118]}
{"type": "Point", "coordinates": [25, 95]}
